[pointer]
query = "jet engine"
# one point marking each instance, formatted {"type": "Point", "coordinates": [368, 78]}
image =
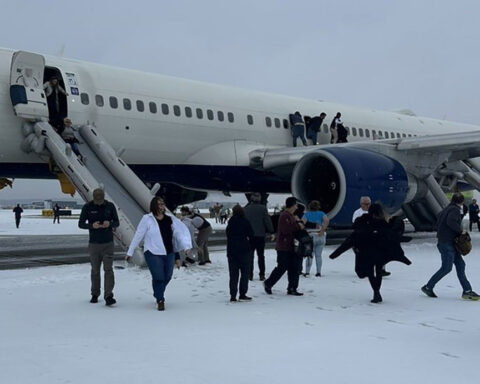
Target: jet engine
{"type": "Point", "coordinates": [339, 177]}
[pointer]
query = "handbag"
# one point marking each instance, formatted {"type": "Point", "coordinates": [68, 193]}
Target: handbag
{"type": "Point", "coordinates": [463, 244]}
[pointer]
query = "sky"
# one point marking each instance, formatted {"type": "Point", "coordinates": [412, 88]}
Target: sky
{"type": "Point", "coordinates": [418, 55]}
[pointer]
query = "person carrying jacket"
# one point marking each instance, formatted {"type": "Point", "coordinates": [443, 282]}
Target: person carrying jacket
{"type": "Point", "coordinates": [100, 217]}
{"type": "Point", "coordinates": [376, 243]}
{"type": "Point", "coordinates": [449, 226]}
{"type": "Point", "coordinates": [287, 259]}
{"type": "Point", "coordinates": [164, 237]}
{"type": "Point", "coordinates": [257, 214]}
{"type": "Point", "coordinates": [239, 237]}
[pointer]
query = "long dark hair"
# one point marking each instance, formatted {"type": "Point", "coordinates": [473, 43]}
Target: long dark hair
{"type": "Point", "coordinates": [154, 205]}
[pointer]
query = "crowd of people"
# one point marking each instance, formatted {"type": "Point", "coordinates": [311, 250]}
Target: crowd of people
{"type": "Point", "coordinates": [299, 236]}
{"type": "Point", "coordinates": [311, 126]}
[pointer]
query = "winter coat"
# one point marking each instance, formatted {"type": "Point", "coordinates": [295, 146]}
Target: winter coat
{"type": "Point", "coordinates": [239, 238]}
{"type": "Point", "coordinates": [92, 213]}
{"type": "Point", "coordinates": [259, 219]}
{"type": "Point", "coordinates": [287, 226]}
{"type": "Point", "coordinates": [376, 242]}
{"type": "Point", "coordinates": [449, 224]}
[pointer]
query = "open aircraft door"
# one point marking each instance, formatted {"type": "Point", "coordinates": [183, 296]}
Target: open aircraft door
{"type": "Point", "coordinates": [26, 85]}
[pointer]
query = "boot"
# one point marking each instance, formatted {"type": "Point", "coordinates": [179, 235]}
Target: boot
{"type": "Point", "coordinates": [94, 299]}
{"type": "Point", "coordinates": [244, 298]}
{"type": "Point", "coordinates": [109, 301]}
{"type": "Point", "coordinates": [161, 305]}
{"type": "Point", "coordinates": [377, 298]}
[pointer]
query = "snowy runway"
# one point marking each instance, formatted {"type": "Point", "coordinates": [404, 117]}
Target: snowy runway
{"type": "Point", "coordinates": [50, 333]}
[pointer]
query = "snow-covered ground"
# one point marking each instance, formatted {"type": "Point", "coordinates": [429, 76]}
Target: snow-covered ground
{"type": "Point", "coordinates": [50, 333]}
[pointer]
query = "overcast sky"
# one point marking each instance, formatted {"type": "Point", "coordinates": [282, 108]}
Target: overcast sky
{"type": "Point", "coordinates": [390, 55]}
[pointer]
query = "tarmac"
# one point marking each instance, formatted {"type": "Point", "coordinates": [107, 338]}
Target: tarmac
{"type": "Point", "coordinates": [29, 251]}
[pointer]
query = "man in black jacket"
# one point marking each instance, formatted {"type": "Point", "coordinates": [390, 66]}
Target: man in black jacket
{"type": "Point", "coordinates": [18, 214]}
{"type": "Point", "coordinates": [100, 218]}
{"type": "Point", "coordinates": [315, 127]}
{"type": "Point", "coordinates": [473, 211]}
{"type": "Point", "coordinates": [449, 226]}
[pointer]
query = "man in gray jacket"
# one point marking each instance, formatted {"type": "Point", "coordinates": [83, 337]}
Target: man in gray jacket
{"type": "Point", "coordinates": [449, 226]}
{"type": "Point", "coordinates": [257, 214]}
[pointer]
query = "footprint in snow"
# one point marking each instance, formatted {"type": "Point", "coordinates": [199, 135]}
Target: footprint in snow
{"type": "Point", "coordinates": [446, 354]}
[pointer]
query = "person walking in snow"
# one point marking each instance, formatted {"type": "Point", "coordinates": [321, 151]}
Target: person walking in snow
{"type": "Point", "coordinates": [164, 236]}
{"type": "Point", "coordinates": [376, 242]}
{"type": "Point", "coordinates": [18, 214]}
{"type": "Point", "coordinates": [56, 214]}
{"type": "Point", "coordinates": [239, 238]}
{"type": "Point", "coordinates": [257, 215]}
{"type": "Point", "coordinates": [449, 227]}
{"type": "Point", "coordinates": [100, 217]}
{"type": "Point", "coordinates": [287, 259]}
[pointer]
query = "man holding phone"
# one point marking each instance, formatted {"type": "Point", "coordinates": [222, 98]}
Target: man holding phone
{"type": "Point", "coordinates": [100, 217]}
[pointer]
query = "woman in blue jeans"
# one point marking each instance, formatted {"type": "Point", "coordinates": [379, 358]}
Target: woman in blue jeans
{"type": "Point", "coordinates": [164, 236]}
{"type": "Point", "coordinates": [315, 215]}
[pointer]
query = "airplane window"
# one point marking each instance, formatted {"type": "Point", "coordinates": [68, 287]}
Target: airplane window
{"type": "Point", "coordinates": [374, 133]}
{"type": "Point", "coordinates": [153, 107]}
{"type": "Point", "coordinates": [220, 116]}
{"type": "Point", "coordinates": [367, 133]}
{"type": "Point", "coordinates": [84, 98]}
{"type": "Point", "coordinates": [404, 135]}
{"type": "Point", "coordinates": [360, 132]}
{"type": "Point", "coordinates": [230, 117]}
{"type": "Point", "coordinates": [325, 128]}
{"type": "Point", "coordinates": [348, 130]}
{"type": "Point", "coordinates": [188, 111]}
{"type": "Point", "coordinates": [250, 119]}
{"type": "Point", "coordinates": [113, 102]}
{"type": "Point", "coordinates": [127, 104]}
{"type": "Point", "coordinates": [140, 106]}
{"type": "Point", "coordinates": [393, 135]}
{"type": "Point", "coordinates": [354, 131]}
{"type": "Point", "coordinates": [409, 135]}
{"type": "Point", "coordinates": [99, 100]}
{"type": "Point", "coordinates": [165, 109]}
{"type": "Point", "coordinates": [209, 114]}
{"type": "Point", "coordinates": [386, 134]}
{"type": "Point", "coordinates": [176, 110]}
{"type": "Point", "coordinates": [277, 122]}
{"type": "Point", "coordinates": [398, 135]}
{"type": "Point", "coordinates": [285, 124]}
{"type": "Point", "coordinates": [268, 121]}
{"type": "Point", "coordinates": [199, 113]}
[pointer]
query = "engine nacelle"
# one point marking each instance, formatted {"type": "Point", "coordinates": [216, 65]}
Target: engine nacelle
{"type": "Point", "coordinates": [339, 177]}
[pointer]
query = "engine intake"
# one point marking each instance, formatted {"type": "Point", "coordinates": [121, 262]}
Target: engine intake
{"type": "Point", "coordinates": [338, 177]}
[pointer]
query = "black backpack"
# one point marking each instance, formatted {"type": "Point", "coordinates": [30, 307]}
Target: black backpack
{"type": "Point", "coordinates": [305, 244]}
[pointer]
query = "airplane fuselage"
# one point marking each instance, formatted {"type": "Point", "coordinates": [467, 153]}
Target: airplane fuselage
{"type": "Point", "coordinates": [189, 133]}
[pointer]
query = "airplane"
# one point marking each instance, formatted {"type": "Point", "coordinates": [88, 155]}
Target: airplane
{"type": "Point", "coordinates": [192, 137]}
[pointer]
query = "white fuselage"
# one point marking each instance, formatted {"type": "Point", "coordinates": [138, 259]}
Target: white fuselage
{"type": "Point", "coordinates": [176, 139]}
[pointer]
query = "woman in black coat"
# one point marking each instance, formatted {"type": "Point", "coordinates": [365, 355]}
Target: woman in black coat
{"type": "Point", "coordinates": [376, 242]}
{"type": "Point", "coordinates": [239, 238]}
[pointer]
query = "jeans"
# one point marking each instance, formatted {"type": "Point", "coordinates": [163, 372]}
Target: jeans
{"type": "Point", "coordinates": [450, 256]}
{"type": "Point", "coordinates": [318, 244]}
{"type": "Point", "coordinates": [298, 132]}
{"type": "Point", "coordinates": [161, 268]}
{"type": "Point", "coordinates": [312, 135]}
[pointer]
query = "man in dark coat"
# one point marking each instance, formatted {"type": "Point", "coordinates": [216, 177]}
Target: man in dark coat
{"type": "Point", "coordinates": [239, 238]}
{"type": "Point", "coordinates": [100, 217]}
{"type": "Point", "coordinates": [376, 243]}
{"type": "Point", "coordinates": [287, 259]}
{"type": "Point", "coordinates": [56, 214]}
{"type": "Point", "coordinates": [473, 211]}
{"type": "Point", "coordinates": [315, 127]}
{"type": "Point", "coordinates": [449, 227]}
{"type": "Point", "coordinates": [18, 214]}
{"type": "Point", "coordinates": [257, 214]}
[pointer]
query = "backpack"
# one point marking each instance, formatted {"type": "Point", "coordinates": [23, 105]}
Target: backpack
{"type": "Point", "coordinates": [305, 244]}
{"type": "Point", "coordinates": [463, 244]}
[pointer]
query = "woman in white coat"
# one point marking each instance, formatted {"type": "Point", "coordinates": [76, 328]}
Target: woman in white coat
{"type": "Point", "coordinates": [163, 236]}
